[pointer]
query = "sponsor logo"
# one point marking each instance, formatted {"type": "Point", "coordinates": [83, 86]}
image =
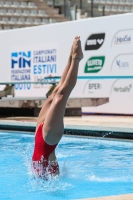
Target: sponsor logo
{"type": "Point", "coordinates": [91, 87]}
{"type": "Point", "coordinates": [20, 66]}
{"type": "Point", "coordinates": [123, 40]}
{"type": "Point", "coordinates": [122, 65]}
{"type": "Point", "coordinates": [94, 64]}
{"type": "Point", "coordinates": [122, 89]}
{"type": "Point", "coordinates": [94, 41]}
{"type": "Point", "coordinates": [94, 86]}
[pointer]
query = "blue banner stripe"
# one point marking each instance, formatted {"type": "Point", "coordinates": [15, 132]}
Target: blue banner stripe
{"type": "Point", "coordinates": [56, 79]}
{"type": "Point", "coordinates": [104, 77]}
{"type": "Point", "coordinates": [100, 77]}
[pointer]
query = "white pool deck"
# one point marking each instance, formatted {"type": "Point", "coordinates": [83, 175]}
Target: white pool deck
{"type": "Point", "coordinates": [92, 122]}
{"type": "Point", "coordinates": [119, 197]}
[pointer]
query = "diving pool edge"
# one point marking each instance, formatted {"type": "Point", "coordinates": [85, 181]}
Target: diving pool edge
{"type": "Point", "coordinates": [78, 127]}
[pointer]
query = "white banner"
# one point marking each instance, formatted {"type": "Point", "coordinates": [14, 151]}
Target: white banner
{"type": "Point", "coordinates": [30, 54]}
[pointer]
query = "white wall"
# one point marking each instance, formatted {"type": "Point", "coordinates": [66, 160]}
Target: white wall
{"type": "Point", "coordinates": [112, 55]}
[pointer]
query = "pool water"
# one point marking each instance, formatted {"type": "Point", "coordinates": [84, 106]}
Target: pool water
{"type": "Point", "coordinates": [88, 168]}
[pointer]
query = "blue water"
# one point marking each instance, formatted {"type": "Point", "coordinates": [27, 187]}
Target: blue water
{"type": "Point", "coordinates": [89, 168]}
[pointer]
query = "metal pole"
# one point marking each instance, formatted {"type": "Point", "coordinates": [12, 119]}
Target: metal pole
{"type": "Point", "coordinates": [103, 10]}
{"type": "Point", "coordinates": [91, 8]}
{"type": "Point", "coordinates": [53, 3]}
{"type": "Point", "coordinates": [80, 4]}
{"type": "Point", "coordinates": [75, 12]}
{"type": "Point", "coordinates": [64, 7]}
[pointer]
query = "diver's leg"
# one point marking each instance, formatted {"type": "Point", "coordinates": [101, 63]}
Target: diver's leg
{"type": "Point", "coordinates": [53, 127]}
{"type": "Point", "coordinates": [63, 77]}
{"type": "Point", "coordinates": [47, 104]}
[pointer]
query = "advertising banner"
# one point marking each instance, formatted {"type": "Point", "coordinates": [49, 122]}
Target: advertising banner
{"type": "Point", "coordinates": [32, 64]}
{"type": "Point", "coordinates": [30, 54]}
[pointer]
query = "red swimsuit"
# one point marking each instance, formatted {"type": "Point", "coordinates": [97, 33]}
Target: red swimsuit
{"type": "Point", "coordinates": [42, 150]}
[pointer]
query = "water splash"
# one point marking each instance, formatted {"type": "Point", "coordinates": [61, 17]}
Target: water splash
{"type": "Point", "coordinates": [108, 134]}
{"type": "Point", "coordinates": [95, 178]}
{"type": "Point", "coordinates": [53, 184]}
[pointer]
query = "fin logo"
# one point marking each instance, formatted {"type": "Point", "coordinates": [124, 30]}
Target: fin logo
{"type": "Point", "coordinates": [21, 59]}
{"type": "Point", "coordinates": [94, 41]}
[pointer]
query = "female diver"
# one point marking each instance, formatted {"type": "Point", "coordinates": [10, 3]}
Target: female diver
{"type": "Point", "coordinates": [50, 127]}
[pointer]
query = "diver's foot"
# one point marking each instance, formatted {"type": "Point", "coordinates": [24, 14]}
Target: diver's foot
{"type": "Point", "coordinates": [76, 49]}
